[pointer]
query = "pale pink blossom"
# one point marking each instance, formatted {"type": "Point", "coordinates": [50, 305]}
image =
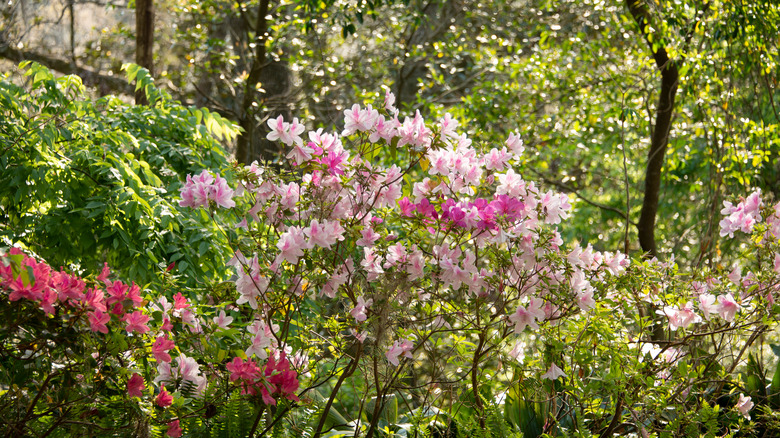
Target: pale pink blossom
{"type": "Point", "coordinates": [744, 405]}
{"type": "Point", "coordinates": [448, 126]}
{"type": "Point", "coordinates": [399, 348]}
{"type": "Point", "coordinates": [262, 338]}
{"type": "Point", "coordinates": [361, 336]}
{"type": "Point", "coordinates": [527, 316]}
{"type": "Point", "coordinates": [728, 307]}
{"type": "Point", "coordinates": [497, 159]}
{"type": "Point", "coordinates": [222, 320]}
{"type": "Point", "coordinates": [291, 244]}
{"type": "Point", "coordinates": [708, 305]}
{"type": "Point", "coordinates": [510, 184]}
{"type": "Point", "coordinates": [221, 194]}
{"type": "Point", "coordinates": [413, 132]}
{"type": "Point", "coordinates": [681, 318]}
{"type": "Point", "coordinates": [287, 133]}
{"type": "Point", "coordinates": [517, 352]}
{"type": "Point", "coordinates": [372, 263]}
{"type": "Point", "coordinates": [368, 237]}
{"type": "Point", "coordinates": [359, 311]}
{"type": "Point", "coordinates": [553, 373]}
{"type": "Point", "coordinates": [515, 144]}
{"type": "Point", "coordinates": [324, 234]}
{"type": "Point", "coordinates": [359, 120]}
{"type": "Point", "coordinates": [300, 154]}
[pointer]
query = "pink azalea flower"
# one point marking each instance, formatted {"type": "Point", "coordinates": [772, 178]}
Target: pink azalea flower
{"type": "Point", "coordinates": [136, 322]}
{"type": "Point", "coordinates": [553, 373]}
{"type": "Point", "coordinates": [744, 405]}
{"type": "Point", "coordinates": [95, 299]}
{"type": "Point", "coordinates": [681, 318]}
{"type": "Point", "coordinates": [728, 307]}
{"type": "Point", "coordinates": [223, 321]}
{"type": "Point", "coordinates": [135, 385]}
{"type": "Point", "coordinates": [160, 348]}
{"type": "Point", "coordinates": [164, 399]}
{"type": "Point", "coordinates": [515, 144]}
{"type": "Point", "coordinates": [510, 184]}
{"type": "Point", "coordinates": [497, 159]}
{"type": "Point", "coordinates": [707, 304]}
{"type": "Point", "coordinates": [291, 244]}
{"type": "Point", "coordinates": [448, 126]}
{"type": "Point", "coordinates": [281, 379]}
{"type": "Point", "coordinates": [517, 352]}
{"type": "Point", "coordinates": [278, 127]}
{"type": "Point", "coordinates": [167, 325]}
{"type": "Point", "coordinates": [368, 237]}
{"type": "Point", "coordinates": [134, 295]}
{"type": "Point", "coordinates": [357, 119]}
{"type": "Point", "coordinates": [323, 235]}
{"type": "Point", "coordinates": [48, 300]}
{"type": "Point", "coordinates": [240, 370]}
{"type": "Point", "coordinates": [262, 339]}
{"type": "Point", "coordinates": [221, 193]}
{"type": "Point", "coordinates": [104, 273]}
{"type": "Point", "coordinates": [360, 336]}
{"type": "Point", "coordinates": [406, 206]}
{"type": "Point", "coordinates": [402, 347]}
{"type": "Point", "coordinates": [389, 102]}
{"type": "Point", "coordinates": [180, 301]}
{"type": "Point", "coordinates": [300, 154]}
{"type": "Point", "coordinates": [98, 320]}
{"type": "Point", "coordinates": [174, 429]}
{"type": "Point", "coordinates": [359, 312]}
{"type": "Point", "coordinates": [527, 316]}
{"type": "Point", "coordinates": [372, 263]}
{"type": "Point", "coordinates": [414, 132]}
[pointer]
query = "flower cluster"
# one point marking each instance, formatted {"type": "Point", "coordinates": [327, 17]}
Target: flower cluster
{"type": "Point", "coordinates": [36, 281]}
{"type": "Point", "coordinates": [276, 379]}
{"type": "Point", "coordinates": [199, 190]}
{"type": "Point", "coordinates": [741, 217]}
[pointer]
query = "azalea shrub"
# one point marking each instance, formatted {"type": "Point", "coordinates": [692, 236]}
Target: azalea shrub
{"type": "Point", "coordinates": [85, 180]}
{"type": "Point", "coordinates": [395, 279]}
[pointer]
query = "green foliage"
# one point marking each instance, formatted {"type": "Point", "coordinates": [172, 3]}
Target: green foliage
{"type": "Point", "coordinates": [86, 182]}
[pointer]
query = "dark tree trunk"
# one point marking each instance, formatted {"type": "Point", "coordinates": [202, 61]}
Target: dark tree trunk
{"type": "Point", "coordinates": [247, 116]}
{"type": "Point", "coordinates": [144, 41]}
{"type": "Point", "coordinates": [660, 135]}
{"type": "Point", "coordinates": [72, 32]}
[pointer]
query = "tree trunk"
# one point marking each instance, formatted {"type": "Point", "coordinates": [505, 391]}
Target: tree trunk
{"type": "Point", "coordinates": [247, 117]}
{"type": "Point", "coordinates": [144, 41]}
{"type": "Point", "coordinates": [660, 135]}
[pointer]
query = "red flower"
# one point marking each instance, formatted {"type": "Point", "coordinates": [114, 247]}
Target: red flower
{"type": "Point", "coordinates": [174, 429]}
{"type": "Point", "coordinates": [135, 385]}
{"type": "Point", "coordinates": [164, 399]}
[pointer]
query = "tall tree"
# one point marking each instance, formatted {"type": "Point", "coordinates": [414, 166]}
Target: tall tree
{"type": "Point", "coordinates": [248, 103]}
{"type": "Point", "coordinates": [144, 42]}
{"type": "Point", "coordinates": [670, 76]}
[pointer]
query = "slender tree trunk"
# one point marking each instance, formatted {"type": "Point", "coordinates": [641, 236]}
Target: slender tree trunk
{"type": "Point", "coordinates": [247, 118]}
{"type": "Point", "coordinates": [72, 33]}
{"type": "Point", "coordinates": [660, 135]}
{"type": "Point", "coordinates": [144, 41]}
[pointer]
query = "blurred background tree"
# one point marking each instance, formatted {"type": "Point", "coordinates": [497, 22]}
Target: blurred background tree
{"type": "Point", "coordinates": [647, 113]}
